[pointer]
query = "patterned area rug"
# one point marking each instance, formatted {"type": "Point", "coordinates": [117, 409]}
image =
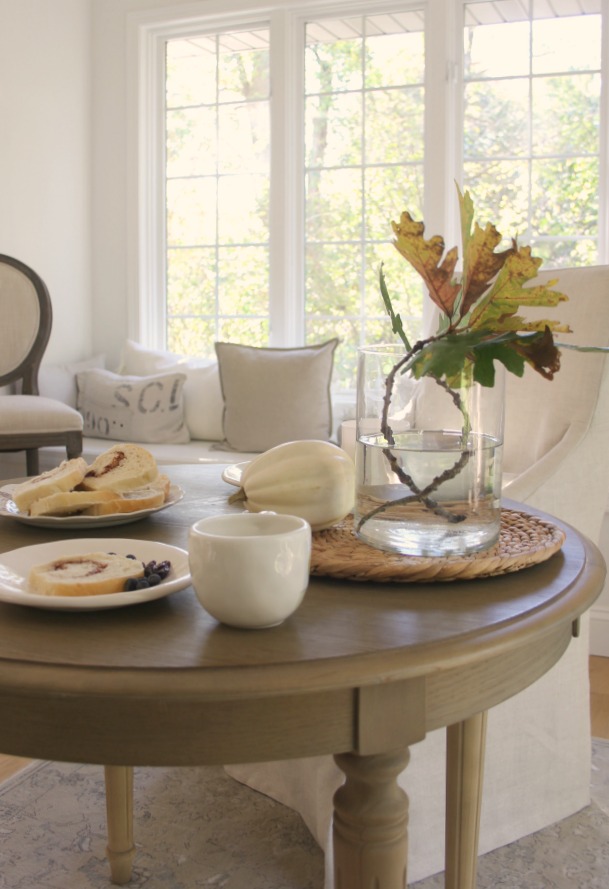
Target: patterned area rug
{"type": "Point", "coordinates": [52, 836]}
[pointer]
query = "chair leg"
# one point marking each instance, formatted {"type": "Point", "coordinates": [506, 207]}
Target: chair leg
{"type": "Point", "coordinates": [119, 811]}
{"type": "Point", "coordinates": [73, 445]}
{"type": "Point", "coordinates": [31, 461]}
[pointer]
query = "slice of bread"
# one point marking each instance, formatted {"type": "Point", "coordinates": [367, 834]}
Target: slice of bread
{"type": "Point", "coordinates": [70, 502]}
{"type": "Point", "coordinates": [149, 497]}
{"type": "Point", "coordinates": [89, 574]}
{"type": "Point", "coordinates": [64, 477]}
{"type": "Point", "coordinates": [122, 467]}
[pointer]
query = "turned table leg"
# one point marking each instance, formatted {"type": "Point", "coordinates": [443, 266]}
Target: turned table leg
{"type": "Point", "coordinates": [370, 832]}
{"type": "Point", "coordinates": [464, 773]}
{"type": "Point", "coordinates": [119, 810]}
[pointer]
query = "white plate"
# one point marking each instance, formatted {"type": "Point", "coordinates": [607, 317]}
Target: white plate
{"type": "Point", "coordinates": [232, 474]}
{"type": "Point", "coordinates": [9, 508]}
{"type": "Point", "coordinates": [15, 567]}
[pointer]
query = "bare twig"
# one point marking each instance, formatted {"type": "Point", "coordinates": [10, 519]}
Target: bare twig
{"type": "Point", "coordinates": [421, 495]}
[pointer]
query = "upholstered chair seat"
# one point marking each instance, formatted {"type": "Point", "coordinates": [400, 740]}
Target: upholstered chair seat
{"type": "Point", "coordinates": [34, 415]}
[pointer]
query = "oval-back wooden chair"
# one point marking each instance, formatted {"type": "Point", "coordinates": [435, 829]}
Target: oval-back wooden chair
{"type": "Point", "coordinates": [29, 421]}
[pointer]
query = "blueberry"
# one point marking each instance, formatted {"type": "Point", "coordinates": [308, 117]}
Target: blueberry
{"type": "Point", "coordinates": [142, 583]}
{"type": "Point", "coordinates": [163, 569]}
{"type": "Point", "coordinates": [153, 579]}
{"type": "Point", "coordinates": [131, 584]}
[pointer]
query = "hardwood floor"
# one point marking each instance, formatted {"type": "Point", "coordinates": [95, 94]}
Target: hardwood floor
{"type": "Point", "coordinates": [599, 705]}
{"type": "Point", "coordinates": [9, 765]}
{"type": "Point", "coordinates": [599, 696]}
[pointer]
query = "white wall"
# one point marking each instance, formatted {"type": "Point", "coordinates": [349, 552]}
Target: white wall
{"type": "Point", "coordinates": [45, 156]}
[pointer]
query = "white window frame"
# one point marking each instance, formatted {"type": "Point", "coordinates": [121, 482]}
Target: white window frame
{"type": "Point", "coordinates": [146, 34]}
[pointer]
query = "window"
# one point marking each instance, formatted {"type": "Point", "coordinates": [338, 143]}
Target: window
{"type": "Point", "coordinates": [531, 124]}
{"type": "Point", "coordinates": [288, 141]}
{"type": "Point", "coordinates": [217, 189]}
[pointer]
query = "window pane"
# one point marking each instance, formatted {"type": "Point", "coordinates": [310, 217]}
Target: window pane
{"type": "Point", "coordinates": [243, 281]}
{"type": "Point", "coordinates": [332, 64]}
{"type": "Point", "coordinates": [501, 50]}
{"type": "Point", "coordinates": [565, 196]}
{"type": "Point", "coordinates": [243, 209]}
{"type": "Point", "coordinates": [192, 336]}
{"type": "Point", "coordinates": [572, 43]}
{"type": "Point", "coordinates": [395, 59]}
{"type": "Point", "coordinates": [333, 130]}
{"type": "Point", "coordinates": [566, 114]}
{"type": "Point", "coordinates": [191, 211]}
{"type": "Point", "coordinates": [333, 204]}
{"type": "Point", "coordinates": [243, 71]}
{"type": "Point", "coordinates": [191, 72]}
{"type": "Point", "coordinates": [332, 282]}
{"type": "Point", "coordinates": [394, 124]}
{"type": "Point", "coordinates": [191, 281]}
{"type": "Point", "coordinates": [496, 118]}
{"type": "Point", "coordinates": [191, 142]}
{"type": "Point", "coordinates": [244, 137]}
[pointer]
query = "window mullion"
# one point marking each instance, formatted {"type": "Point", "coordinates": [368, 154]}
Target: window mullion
{"type": "Point", "coordinates": [287, 160]}
{"type": "Point", "coordinates": [443, 115]}
{"type": "Point", "coordinates": [603, 222]}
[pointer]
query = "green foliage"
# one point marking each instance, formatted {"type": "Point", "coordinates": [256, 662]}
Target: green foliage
{"type": "Point", "coordinates": [480, 319]}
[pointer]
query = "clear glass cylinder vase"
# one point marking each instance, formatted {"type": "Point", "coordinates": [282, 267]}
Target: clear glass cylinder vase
{"type": "Point", "coordinates": [428, 459]}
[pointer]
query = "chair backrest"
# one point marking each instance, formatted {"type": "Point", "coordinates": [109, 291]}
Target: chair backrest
{"type": "Point", "coordinates": [539, 412]}
{"type": "Point", "coordinates": [26, 317]}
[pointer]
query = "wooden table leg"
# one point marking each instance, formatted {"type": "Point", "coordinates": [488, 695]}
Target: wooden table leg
{"type": "Point", "coordinates": [370, 832]}
{"type": "Point", "coordinates": [464, 774]}
{"type": "Point", "coordinates": [119, 810]}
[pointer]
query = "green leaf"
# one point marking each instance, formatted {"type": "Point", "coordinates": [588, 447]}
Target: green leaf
{"type": "Point", "coordinates": [449, 357]}
{"type": "Point", "coordinates": [396, 320]}
{"type": "Point", "coordinates": [487, 354]}
{"type": "Point", "coordinates": [446, 356]}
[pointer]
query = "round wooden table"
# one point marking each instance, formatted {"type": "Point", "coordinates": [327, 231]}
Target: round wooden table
{"type": "Point", "coordinates": [361, 671]}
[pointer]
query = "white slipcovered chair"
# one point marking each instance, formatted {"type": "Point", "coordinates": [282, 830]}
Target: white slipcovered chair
{"type": "Point", "coordinates": [538, 743]}
{"type": "Point", "coordinates": [29, 421]}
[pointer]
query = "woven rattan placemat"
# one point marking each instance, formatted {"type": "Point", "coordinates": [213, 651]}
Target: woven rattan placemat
{"type": "Point", "coordinates": [524, 540]}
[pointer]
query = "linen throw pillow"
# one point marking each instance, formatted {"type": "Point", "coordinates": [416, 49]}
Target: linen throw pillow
{"type": "Point", "coordinates": [203, 404]}
{"type": "Point", "coordinates": [275, 395]}
{"type": "Point", "coordinates": [147, 409]}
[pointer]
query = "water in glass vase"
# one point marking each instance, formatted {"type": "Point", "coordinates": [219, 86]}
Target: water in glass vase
{"type": "Point", "coordinates": [440, 499]}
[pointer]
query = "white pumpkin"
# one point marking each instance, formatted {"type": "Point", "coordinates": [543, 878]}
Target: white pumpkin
{"type": "Point", "coordinates": [311, 479]}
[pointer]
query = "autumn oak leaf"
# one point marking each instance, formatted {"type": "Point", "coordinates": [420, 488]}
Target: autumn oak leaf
{"type": "Point", "coordinates": [425, 256]}
{"type": "Point", "coordinates": [498, 308]}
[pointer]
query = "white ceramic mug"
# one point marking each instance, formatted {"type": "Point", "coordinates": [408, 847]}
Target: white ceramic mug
{"type": "Point", "coordinates": [250, 569]}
